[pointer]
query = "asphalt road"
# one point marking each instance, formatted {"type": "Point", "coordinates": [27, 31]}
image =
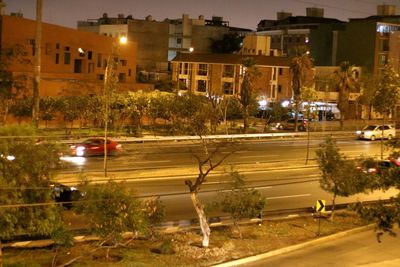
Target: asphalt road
{"type": "Point", "coordinates": [276, 168]}
{"type": "Point", "coordinates": [361, 249]}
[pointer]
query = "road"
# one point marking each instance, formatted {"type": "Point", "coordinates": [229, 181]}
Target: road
{"type": "Point", "coordinates": [275, 168]}
{"type": "Point", "coordinates": [361, 249]}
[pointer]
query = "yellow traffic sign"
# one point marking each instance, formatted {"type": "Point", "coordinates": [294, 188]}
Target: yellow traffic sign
{"type": "Point", "coordinates": [320, 206]}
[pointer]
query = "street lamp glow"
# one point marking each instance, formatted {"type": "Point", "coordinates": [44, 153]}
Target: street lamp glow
{"type": "Point", "coordinates": [191, 49]}
{"type": "Point", "coordinates": [123, 40]}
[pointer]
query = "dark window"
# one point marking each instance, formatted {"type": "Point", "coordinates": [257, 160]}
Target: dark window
{"type": "Point", "coordinates": [99, 60]}
{"type": "Point", "coordinates": [67, 57]}
{"type": "Point", "coordinates": [280, 71]}
{"type": "Point", "coordinates": [57, 45]}
{"type": "Point", "coordinates": [279, 88]}
{"type": "Point", "coordinates": [57, 58]}
{"type": "Point", "coordinates": [229, 71]}
{"type": "Point", "coordinates": [78, 66]}
{"type": "Point", "coordinates": [129, 72]}
{"type": "Point", "coordinates": [201, 85]}
{"type": "Point", "coordinates": [122, 77]}
{"type": "Point", "coordinates": [89, 55]}
{"type": "Point", "coordinates": [228, 88]}
{"type": "Point", "coordinates": [100, 77]}
{"type": "Point", "coordinates": [202, 70]}
{"type": "Point", "coordinates": [124, 62]}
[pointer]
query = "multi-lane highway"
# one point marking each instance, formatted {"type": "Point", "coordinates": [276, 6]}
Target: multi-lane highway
{"type": "Point", "coordinates": [276, 168]}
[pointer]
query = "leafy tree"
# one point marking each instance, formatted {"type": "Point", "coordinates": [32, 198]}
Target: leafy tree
{"type": "Point", "coordinates": [339, 176]}
{"type": "Point", "coordinates": [240, 201]}
{"type": "Point", "coordinates": [71, 108]}
{"type": "Point", "coordinates": [301, 69]}
{"type": "Point", "coordinates": [345, 84]}
{"type": "Point", "coordinates": [368, 83]}
{"type": "Point", "coordinates": [247, 96]}
{"type": "Point", "coordinates": [113, 209]}
{"type": "Point", "coordinates": [385, 214]}
{"type": "Point", "coordinates": [22, 108]}
{"type": "Point", "coordinates": [26, 199]}
{"type": "Point", "coordinates": [11, 85]}
{"type": "Point", "coordinates": [48, 108]}
{"type": "Point", "coordinates": [230, 43]}
{"type": "Point", "coordinates": [207, 162]}
{"type": "Point", "coordinates": [386, 95]}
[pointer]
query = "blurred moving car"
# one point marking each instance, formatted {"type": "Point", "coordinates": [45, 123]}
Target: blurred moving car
{"type": "Point", "coordinates": [95, 146]}
{"type": "Point", "coordinates": [377, 167]}
{"type": "Point", "coordinates": [289, 125]}
{"type": "Point", "coordinates": [373, 132]}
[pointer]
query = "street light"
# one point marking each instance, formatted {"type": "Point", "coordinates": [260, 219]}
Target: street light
{"type": "Point", "coordinates": [110, 81]}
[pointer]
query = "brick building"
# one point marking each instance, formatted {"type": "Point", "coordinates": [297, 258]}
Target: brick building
{"type": "Point", "coordinates": [68, 57]}
{"type": "Point", "coordinates": [222, 74]}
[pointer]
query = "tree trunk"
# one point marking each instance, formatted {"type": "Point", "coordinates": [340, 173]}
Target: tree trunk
{"type": "Point", "coordinates": [205, 228]}
{"type": "Point", "coordinates": [1, 254]}
{"type": "Point", "coordinates": [246, 119]}
{"type": "Point", "coordinates": [341, 121]}
{"type": "Point", "coordinates": [333, 207]}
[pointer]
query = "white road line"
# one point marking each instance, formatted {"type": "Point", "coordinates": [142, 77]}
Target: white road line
{"type": "Point", "coordinates": [260, 156]}
{"type": "Point", "coordinates": [292, 196]}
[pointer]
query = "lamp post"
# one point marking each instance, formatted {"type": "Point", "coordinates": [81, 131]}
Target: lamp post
{"type": "Point", "coordinates": [110, 81]}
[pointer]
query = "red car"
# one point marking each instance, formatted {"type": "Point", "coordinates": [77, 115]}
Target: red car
{"type": "Point", "coordinates": [95, 146]}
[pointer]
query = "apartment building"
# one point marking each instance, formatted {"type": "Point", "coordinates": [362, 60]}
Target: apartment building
{"type": "Point", "coordinates": [317, 33]}
{"type": "Point", "coordinates": [222, 74]}
{"type": "Point", "coordinates": [160, 41]}
{"type": "Point", "coordinates": [68, 57]}
{"type": "Point", "coordinates": [370, 42]}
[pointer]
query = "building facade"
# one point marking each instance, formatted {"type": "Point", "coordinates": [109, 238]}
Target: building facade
{"type": "Point", "coordinates": [160, 41]}
{"type": "Point", "coordinates": [369, 42]}
{"type": "Point", "coordinates": [222, 74]}
{"type": "Point", "coordinates": [68, 57]}
{"type": "Point", "coordinates": [313, 31]}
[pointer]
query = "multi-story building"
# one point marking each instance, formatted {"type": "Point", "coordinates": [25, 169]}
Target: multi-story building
{"type": "Point", "coordinates": [68, 56]}
{"type": "Point", "coordinates": [159, 42]}
{"type": "Point", "coordinates": [313, 31]}
{"type": "Point", "coordinates": [371, 41]}
{"type": "Point", "coordinates": [222, 74]}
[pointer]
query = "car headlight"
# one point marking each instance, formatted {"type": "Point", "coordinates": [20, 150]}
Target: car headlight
{"type": "Point", "coordinates": [80, 150]}
{"type": "Point", "coordinates": [358, 132]}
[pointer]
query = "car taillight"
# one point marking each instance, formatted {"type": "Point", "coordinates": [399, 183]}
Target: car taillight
{"type": "Point", "coordinates": [372, 170]}
{"type": "Point", "coordinates": [118, 146]}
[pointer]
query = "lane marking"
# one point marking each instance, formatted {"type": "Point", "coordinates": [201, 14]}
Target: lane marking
{"type": "Point", "coordinates": [259, 156]}
{"type": "Point", "coordinates": [291, 196]}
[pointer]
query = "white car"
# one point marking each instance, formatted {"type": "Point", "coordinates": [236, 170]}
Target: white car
{"type": "Point", "coordinates": [373, 132]}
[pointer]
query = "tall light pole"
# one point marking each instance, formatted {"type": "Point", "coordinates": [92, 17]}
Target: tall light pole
{"type": "Point", "coordinates": [110, 81]}
{"type": "Point", "coordinates": [38, 54]}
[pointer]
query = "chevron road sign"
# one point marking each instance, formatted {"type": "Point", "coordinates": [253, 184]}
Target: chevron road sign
{"type": "Point", "coordinates": [320, 206]}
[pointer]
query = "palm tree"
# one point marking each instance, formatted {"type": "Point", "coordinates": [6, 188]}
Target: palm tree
{"type": "Point", "coordinates": [345, 83]}
{"type": "Point", "coordinates": [300, 66]}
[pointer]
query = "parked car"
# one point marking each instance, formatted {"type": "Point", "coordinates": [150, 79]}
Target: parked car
{"type": "Point", "coordinates": [65, 194]}
{"type": "Point", "coordinates": [289, 125]}
{"type": "Point", "coordinates": [95, 146]}
{"type": "Point", "coordinates": [373, 132]}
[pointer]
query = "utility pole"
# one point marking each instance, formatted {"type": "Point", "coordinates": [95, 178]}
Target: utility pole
{"type": "Point", "coordinates": [38, 54]}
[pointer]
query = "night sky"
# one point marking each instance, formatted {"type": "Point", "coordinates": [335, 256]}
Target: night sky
{"type": "Point", "coordinates": [239, 13]}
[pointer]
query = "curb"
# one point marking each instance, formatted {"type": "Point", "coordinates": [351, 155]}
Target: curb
{"type": "Point", "coordinates": [294, 247]}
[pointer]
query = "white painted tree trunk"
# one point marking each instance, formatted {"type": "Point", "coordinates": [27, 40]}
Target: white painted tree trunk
{"type": "Point", "coordinates": [205, 228]}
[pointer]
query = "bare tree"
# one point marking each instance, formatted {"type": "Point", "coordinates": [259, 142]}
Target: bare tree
{"type": "Point", "coordinates": [210, 159]}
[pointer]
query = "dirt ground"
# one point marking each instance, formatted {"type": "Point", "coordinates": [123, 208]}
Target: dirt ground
{"type": "Point", "coordinates": [184, 248]}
